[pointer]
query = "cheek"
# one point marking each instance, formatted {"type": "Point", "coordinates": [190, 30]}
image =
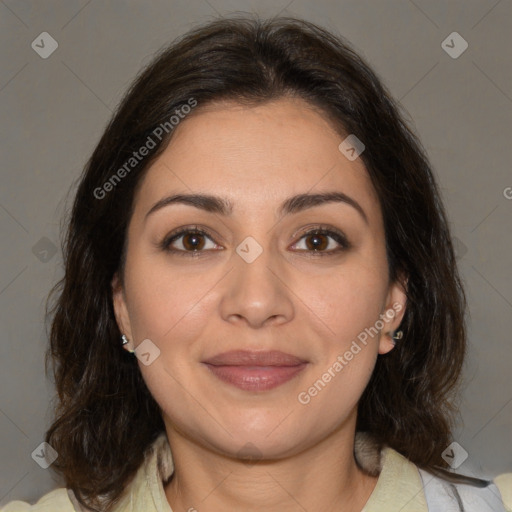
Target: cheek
{"type": "Point", "coordinates": [173, 303]}
{"type": "Point", "coordinates": [350, 303]}
{"type": "Point", "coordinates": [163, 301]}
{"type": "Point", "coordinates": [347, 300]}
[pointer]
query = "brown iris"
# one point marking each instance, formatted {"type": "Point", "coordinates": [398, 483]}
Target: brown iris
{"type": "Point", "coordinates": [196, 241]}
{"type": "Point", "coordinates": [317, 242]}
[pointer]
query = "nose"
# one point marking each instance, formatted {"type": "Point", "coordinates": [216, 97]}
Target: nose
{"type": "Point", "coordinates": [257, 292]}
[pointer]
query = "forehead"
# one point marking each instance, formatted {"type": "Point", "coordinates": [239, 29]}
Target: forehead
{"type": "Point", "coordinates": [256, 156]}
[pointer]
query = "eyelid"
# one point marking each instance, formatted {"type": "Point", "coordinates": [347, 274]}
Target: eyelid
{"type": "Point", "coordinates": [180, 232]}
{"type": "Point", "coordinates": [334, 233]}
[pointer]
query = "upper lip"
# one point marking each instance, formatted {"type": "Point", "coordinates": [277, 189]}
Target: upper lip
{"type": "Point", "coordinates": [251, 358]}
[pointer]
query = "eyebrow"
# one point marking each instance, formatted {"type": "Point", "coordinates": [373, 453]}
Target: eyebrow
{"type": "Point", "coordinates": [222, 206]}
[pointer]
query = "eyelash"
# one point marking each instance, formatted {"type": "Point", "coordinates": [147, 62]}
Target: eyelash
{"type": "Point", "coordinates": [336, 235]}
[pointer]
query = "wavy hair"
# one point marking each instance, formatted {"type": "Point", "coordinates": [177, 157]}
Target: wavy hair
{"type": "Point", "coordinates": [105, 417]}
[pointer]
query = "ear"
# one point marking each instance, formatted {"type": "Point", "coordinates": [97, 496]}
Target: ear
{"type": "Point", "coordinates": [393, 314]}
{"type": "Point", "coordinates": [121, 311]}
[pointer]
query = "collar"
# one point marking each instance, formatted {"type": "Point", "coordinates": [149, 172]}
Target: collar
{"type": "Point", "coordinates": [399, 486]}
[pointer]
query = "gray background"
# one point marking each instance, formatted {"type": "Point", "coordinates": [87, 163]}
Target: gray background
{"type": "Point", "coordinates": [53, 111]}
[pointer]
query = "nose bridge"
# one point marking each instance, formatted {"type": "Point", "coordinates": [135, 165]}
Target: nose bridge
{"type": "Point", "coordinates": [256, 290]}
{"type": "Point", "coordinates": [253, 261]}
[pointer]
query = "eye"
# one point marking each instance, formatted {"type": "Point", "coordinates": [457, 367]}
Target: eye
{"type": "Point", "coordinates": [192, 242]}
{"type": "Point", "coordinates": [317, 241]}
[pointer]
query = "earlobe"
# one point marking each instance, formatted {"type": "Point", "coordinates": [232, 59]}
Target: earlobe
{"type": "Point", "coordinates": [385, 344]}
{"type": "Point", "coordinates": [395, 310]}
{"type": "Point", "coordinates": [127, 344]}
{"type": "Point", "coordinates": [389, 340]}
{"type": "Point", "coordinates": [121, 311]}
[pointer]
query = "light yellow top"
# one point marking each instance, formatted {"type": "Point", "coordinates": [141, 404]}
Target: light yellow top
{"type": "Point", "coordinates": [399, 487]}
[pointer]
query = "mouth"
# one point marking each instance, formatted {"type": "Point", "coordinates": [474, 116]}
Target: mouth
{"type": "Point", "coordinates": [255, 371]}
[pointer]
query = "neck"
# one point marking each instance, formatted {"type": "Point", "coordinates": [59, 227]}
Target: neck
{"type": "Point", "coordinates": [322, 477]}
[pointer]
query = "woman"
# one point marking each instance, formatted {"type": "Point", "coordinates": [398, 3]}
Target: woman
{"type": "Point", "coordinates": [262, 234]}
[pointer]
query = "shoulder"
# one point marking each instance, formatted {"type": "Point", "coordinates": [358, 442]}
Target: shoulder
{"type": "Point", "coordinates": [142, 493]}
{"type": "Point", "coordinates": [401, 479]}
{"type": "Point", "coordinates": [57, 500]}
{"type": "Point", "coordinates": [504, 484]}
{"type": "Point", "coordinates": [493, 496]}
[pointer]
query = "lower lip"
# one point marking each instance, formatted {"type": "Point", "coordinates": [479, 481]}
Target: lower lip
{"type": "Point", "coordinates": [256, 378]}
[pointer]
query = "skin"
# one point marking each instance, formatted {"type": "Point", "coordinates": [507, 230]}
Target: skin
{"type": "Point", "coordinates": [286, 299]}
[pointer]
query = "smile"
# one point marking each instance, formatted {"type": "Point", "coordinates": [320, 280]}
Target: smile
{"type": "Point", "coordinates": [255, 378]}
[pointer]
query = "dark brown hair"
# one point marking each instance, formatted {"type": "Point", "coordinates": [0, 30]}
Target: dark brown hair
{"type": "Point", "coordinates": [105, 417]}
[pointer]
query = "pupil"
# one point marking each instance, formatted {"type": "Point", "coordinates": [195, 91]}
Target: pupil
{"type": "Point", "coordinates": [317, 242]}
{"type": "Point", "coordinates": [196, 241]}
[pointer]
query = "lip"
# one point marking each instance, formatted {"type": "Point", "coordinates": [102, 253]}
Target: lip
{"type": "Point", "coordinates": [253, 358]}
{"type": "Point", "coordinates": [255, 371]}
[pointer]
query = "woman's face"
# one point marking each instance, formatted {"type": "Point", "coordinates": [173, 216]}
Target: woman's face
{"type": "Point", "coordinates": [257, 281]}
